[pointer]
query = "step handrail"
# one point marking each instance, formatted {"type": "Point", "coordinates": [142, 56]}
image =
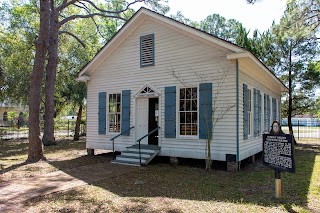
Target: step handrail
{"type": "Point", "coordinates": [112, 139]}
{"type": "Point", "coordinates": [140, 139]}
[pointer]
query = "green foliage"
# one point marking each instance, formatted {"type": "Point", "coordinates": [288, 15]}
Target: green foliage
{"type": "Point", "coordinates": [303, 16]}
{"type": "Point", "coordinates": [181, 18]}
{"type": "Point", "coordinates": [296, 52]}
{"type": "Point", "coordinates": [17, 50]}
{"type": "Point", "coordinates": [221, 27]}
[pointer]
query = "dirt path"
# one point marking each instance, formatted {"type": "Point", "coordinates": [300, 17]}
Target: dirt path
{"type": "Point", "coordinates": [13, 193]}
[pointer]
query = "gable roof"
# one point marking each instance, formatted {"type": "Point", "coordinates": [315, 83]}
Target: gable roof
{"type": "Point", "coordinates": [140, 16]}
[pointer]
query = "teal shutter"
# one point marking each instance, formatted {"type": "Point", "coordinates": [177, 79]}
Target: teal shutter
{"type": "Point", "coordinates": [259, 112]}
{"type": "Point", "coordinates": [268, 111]}
{"type": "Point", "coordinates": [265, 112]}
{"type": "Point", "coordinates": [102, 113]}
{"type": "Point", "coordinates": [274, 109]}
{"type": "Point", "coordinates": [255, 113]}
{"type": "Point", "coordinates": [125, 112]}
{"type": "Point", "coordinates": [147, 50]}
{"type": "Point", "coordinates": [205, 110]}
{"type": "Point", "coordinates": [279, 111]}
{"type": "Point", "coordinates": [245, 112]}
{"type": "Point", "coordinates": [170, 112]}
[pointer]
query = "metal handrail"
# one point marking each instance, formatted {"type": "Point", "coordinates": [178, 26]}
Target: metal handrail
{"type": "Point", "coordinates": [139, 140]}
{"type": "Point", "coordinates": [112, 139]}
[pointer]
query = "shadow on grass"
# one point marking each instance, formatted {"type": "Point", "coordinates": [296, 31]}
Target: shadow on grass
{"type": "Point", "coordinates": [14, 152]}
{"type": "Point", "coordinates": [254, 184]}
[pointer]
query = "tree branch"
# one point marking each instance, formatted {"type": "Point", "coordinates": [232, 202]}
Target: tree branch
{"type": "Point", "coordinates": [108, 11]}
{"type": "Point", "coordinates": [84, 7]}
{"type": "Point", "coordinates": [74, 36]}
{"type": "Point", "coordinates": [65, 4]}
{"type": "Point", "coordinates": [88, 16]}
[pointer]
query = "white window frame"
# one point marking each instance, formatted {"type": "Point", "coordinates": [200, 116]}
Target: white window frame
{"type": "Point", "coordinates": [113, 113]}
{"type": "Point", "coordinates": [178, 112]}
{"type": "Point", "coordinates": [250, 117]}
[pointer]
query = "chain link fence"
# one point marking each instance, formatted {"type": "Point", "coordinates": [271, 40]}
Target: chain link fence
{"type": "Point", "coordinates": [303, 127]}
{"type": "Point", "coordinates": [62, 128]}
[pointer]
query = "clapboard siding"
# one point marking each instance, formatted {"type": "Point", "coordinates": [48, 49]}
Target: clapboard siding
{"type": "Point", "coordinates": [173, 51]}
{"type": "Point", "coordinates": [252, 145]}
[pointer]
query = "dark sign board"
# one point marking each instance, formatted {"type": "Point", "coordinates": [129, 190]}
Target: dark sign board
{"type": "Point", "coordinates": [278, 152]}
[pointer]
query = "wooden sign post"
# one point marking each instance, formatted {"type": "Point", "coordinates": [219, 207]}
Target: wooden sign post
{"type": "Point", "coordinates": [278, 153]}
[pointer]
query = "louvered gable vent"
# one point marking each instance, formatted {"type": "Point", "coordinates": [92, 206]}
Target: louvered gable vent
{"type": "Point", "coordinates": [147, 50]}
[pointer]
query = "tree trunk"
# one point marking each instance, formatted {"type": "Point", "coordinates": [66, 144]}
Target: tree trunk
{"type": "Point", "coordinates": [290, 93]}
{"type": "Point", "coordinates": [208, 160]}
{"type": "Point", "coordinates": [48, 135]}
{"type": "Point", "coordinates": [78, 122]}
{"type": "Point", "coordinates": [35, 151]}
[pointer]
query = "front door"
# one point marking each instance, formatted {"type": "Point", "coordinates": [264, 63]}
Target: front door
{"type": "Point", "coordinates": [153, 120]}
{"type": "Point", "coordinates": [147, 119]}
{"type": "Point", "coordinates": [142, 119]}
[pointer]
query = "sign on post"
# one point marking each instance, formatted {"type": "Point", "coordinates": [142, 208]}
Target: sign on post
{"type": "Point", "coordinates": [278, 152]}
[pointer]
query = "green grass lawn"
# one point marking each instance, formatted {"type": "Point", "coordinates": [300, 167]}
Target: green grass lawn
{"type": "Point", "coordinates": [160, 187]}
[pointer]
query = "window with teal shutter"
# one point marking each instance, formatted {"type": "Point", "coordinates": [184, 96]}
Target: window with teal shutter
{"type": "Point", "coordinates": [265, 128]}
{"type": "Point", "coordinates": [268, 114]}
{"type": "Point", "coordinates": [188, 111]}
{"type": "Point", "coordinates": [245, 112]}
{"type": "Point", "coordinates": [274, 109]}
{"type": "Point", "coordinates": [255, 113]}
{"type": "Point", "coordinates": [279, 111]}
{"type": "Point", "coordinates": [170, 112]}
{"type": "Point", "coordinates": [205, 110]}
{"type": "Point", "coordinates": [125, 119]}
{"type": "Point", "coordinates": [147, 50]}
{"type": "Point", "coordinates": [102, 113]}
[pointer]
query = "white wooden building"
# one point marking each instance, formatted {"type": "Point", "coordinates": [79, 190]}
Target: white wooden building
{"type": "Point", "coordinates": [157, 72]}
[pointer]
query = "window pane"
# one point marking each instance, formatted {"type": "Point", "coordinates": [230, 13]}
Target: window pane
{"type": "Point", "coordinates": [114, 112]}
{"type": "Point", "coordinates": [188, 105]}
{"type": "Point", "coordinates": [194, 105]}
{"type": "Point", "coordinates": [188, 129]}
{"type": "Point", "coordinates": [189, 92]}
{"type": "Point", "coordinates": [194, 93]}
{"type": "Point", "coordinates": [111, 107]}
{"type": "Point", "coordinates": [194, 117]}
{"type": "Point", "coordinates": [188, 117]}
{"type": "Point", "coordinates": [118, 123]}
{"type": "Point", "coordinates": [182, 94]}
{"type": "Point", "coordinates": [194, 129]}
{"type": "Point", "coordinates": [182, 129]}
{"type": "Point", "coordinates": [182, 117]}
{"type": "Point", "coordinates": [182, 105]}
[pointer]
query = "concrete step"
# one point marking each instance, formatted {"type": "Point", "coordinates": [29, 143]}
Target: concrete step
{"type": "Point", "coordinates": [123, 162]}
{"type": "Point", "coordinates": [136, 154]}
{"type": "Point", "coordinates": [132, 159]}
{"type": "Point", "coordinates": [133, 149]}
{"type": "Point", "coordinates": [131, 155]}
